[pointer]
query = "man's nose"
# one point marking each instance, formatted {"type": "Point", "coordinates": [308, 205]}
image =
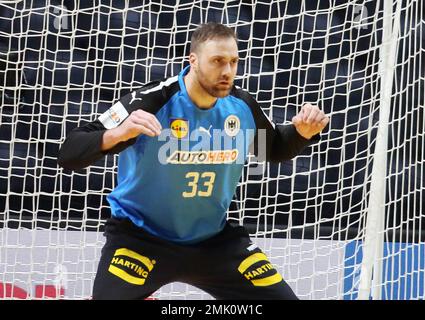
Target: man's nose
{"type": "Point", "coordinates": [227, 70]}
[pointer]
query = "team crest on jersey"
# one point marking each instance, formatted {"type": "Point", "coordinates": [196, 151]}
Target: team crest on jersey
{"type": "Point", "coordinates": [232, 125]}
{"type": "Point", "coordinates": [179, 128]}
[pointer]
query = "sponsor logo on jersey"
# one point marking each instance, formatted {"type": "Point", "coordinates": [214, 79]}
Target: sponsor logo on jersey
{"type": "Point", "coordinates": [203, 157]}
{"type": "Point", "coordinates": [207, 131]}
{"type": "Point", "coordinates": [232, 125]}
{"type": "Point", "coordinates": [131, 266]}
{"type": "Point", "coordinates": [257, 269]}
{"type": "Point", "coordinates": [179, 128]}
{"type": "Point", "coordinates": [133, 97]}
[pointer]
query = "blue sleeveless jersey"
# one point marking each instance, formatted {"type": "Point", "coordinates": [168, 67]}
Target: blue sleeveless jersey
{"type": "Point", "coordinates": [179, 185]}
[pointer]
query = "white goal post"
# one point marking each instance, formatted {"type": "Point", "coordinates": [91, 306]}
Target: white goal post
{"type": "Point", "coordinates": [343, 220]}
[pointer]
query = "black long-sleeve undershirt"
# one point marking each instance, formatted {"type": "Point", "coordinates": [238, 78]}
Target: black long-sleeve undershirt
{"type": "Point", "coordinates": [82, 147]}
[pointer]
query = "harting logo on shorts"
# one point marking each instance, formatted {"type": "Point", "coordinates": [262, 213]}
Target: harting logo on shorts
{"type": "Point", "coordinates": [259, 270]}
{"type": "Point", "coordinates": [131, 266]}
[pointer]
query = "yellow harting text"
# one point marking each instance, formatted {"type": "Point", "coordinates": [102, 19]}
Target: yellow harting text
{"type": "Point", "coordinates": [128, 264]}
{"type": "Point", "coordinates": [119, 259]}
{"type": "Point", "coordinates": [254, 273]}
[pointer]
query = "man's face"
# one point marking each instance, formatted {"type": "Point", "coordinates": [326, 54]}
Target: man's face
{"type": "Point", "coordinates": [216, 65]}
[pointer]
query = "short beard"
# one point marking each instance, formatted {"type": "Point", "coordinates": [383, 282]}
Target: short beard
{"type": "Point", "coordinates": [213, 91]}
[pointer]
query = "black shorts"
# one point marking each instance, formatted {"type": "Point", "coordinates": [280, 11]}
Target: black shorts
{"type": "Point", "coordinates": [134, 264]}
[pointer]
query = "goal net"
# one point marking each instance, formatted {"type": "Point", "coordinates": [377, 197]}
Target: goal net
{"type": "Point", "coordinates": [343, 220]}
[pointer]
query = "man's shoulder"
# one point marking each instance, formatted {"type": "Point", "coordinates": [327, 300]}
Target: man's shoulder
{"type": "Point", "coordinates": [152, 96]}
{"type": "Point", "coordinates": [251, 102]}
{"type": "Point", "coordinates": [160, 86]}
{"type": "Point", "coordinates": [244, 95]}
{"type": "Point", "coordinates": [156, 93]}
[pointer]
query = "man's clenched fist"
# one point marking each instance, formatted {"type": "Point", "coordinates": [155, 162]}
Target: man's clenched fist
{"type": "Point", "coordinates": [310, 121]}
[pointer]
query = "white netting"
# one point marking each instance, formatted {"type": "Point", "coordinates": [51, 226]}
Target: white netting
{"type": "Point", "coordinates": [63, 63]}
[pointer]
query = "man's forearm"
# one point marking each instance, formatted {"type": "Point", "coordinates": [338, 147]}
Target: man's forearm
{"type": "Point", "coordinates": [110, 139]}
{"type": "Point", "coordinates": [288, 143]}
{"type": "Point", "coordinates": [80, 149]}
{"type": "Point", "coordinates": [87, 144]}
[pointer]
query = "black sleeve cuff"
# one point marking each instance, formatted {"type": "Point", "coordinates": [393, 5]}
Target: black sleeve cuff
{"type": "Point", "coordinates": [288, 143]}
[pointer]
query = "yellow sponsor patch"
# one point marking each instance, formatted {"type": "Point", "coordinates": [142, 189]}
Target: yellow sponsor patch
{"type": "Point", "coordinates": [179, 128]}
{"type": "Point", "coordinates": [262, 275]}
{"type": "Point", "coordinates": [131, 266]}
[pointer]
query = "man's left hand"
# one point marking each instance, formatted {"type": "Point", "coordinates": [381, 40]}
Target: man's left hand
{"type": "Point", "coordinates": [310, 121]}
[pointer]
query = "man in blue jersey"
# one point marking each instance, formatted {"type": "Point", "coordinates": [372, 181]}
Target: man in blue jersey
{"type": "Point", "coordinates": [183, 142]}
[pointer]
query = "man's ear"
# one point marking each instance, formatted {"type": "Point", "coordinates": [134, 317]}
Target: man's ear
{"type": "Point", "coordinates": [193, 60]}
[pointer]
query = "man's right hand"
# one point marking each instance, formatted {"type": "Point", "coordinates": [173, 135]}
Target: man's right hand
{"type": "Point", "coordinates": [137, 123]}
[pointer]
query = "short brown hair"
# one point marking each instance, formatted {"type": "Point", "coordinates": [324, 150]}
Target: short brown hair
{"type": "Point", "coordinates": [208, 31]}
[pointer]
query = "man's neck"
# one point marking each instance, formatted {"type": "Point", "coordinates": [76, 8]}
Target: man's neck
{"type": "Point", "coordinates": [197, 94]}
